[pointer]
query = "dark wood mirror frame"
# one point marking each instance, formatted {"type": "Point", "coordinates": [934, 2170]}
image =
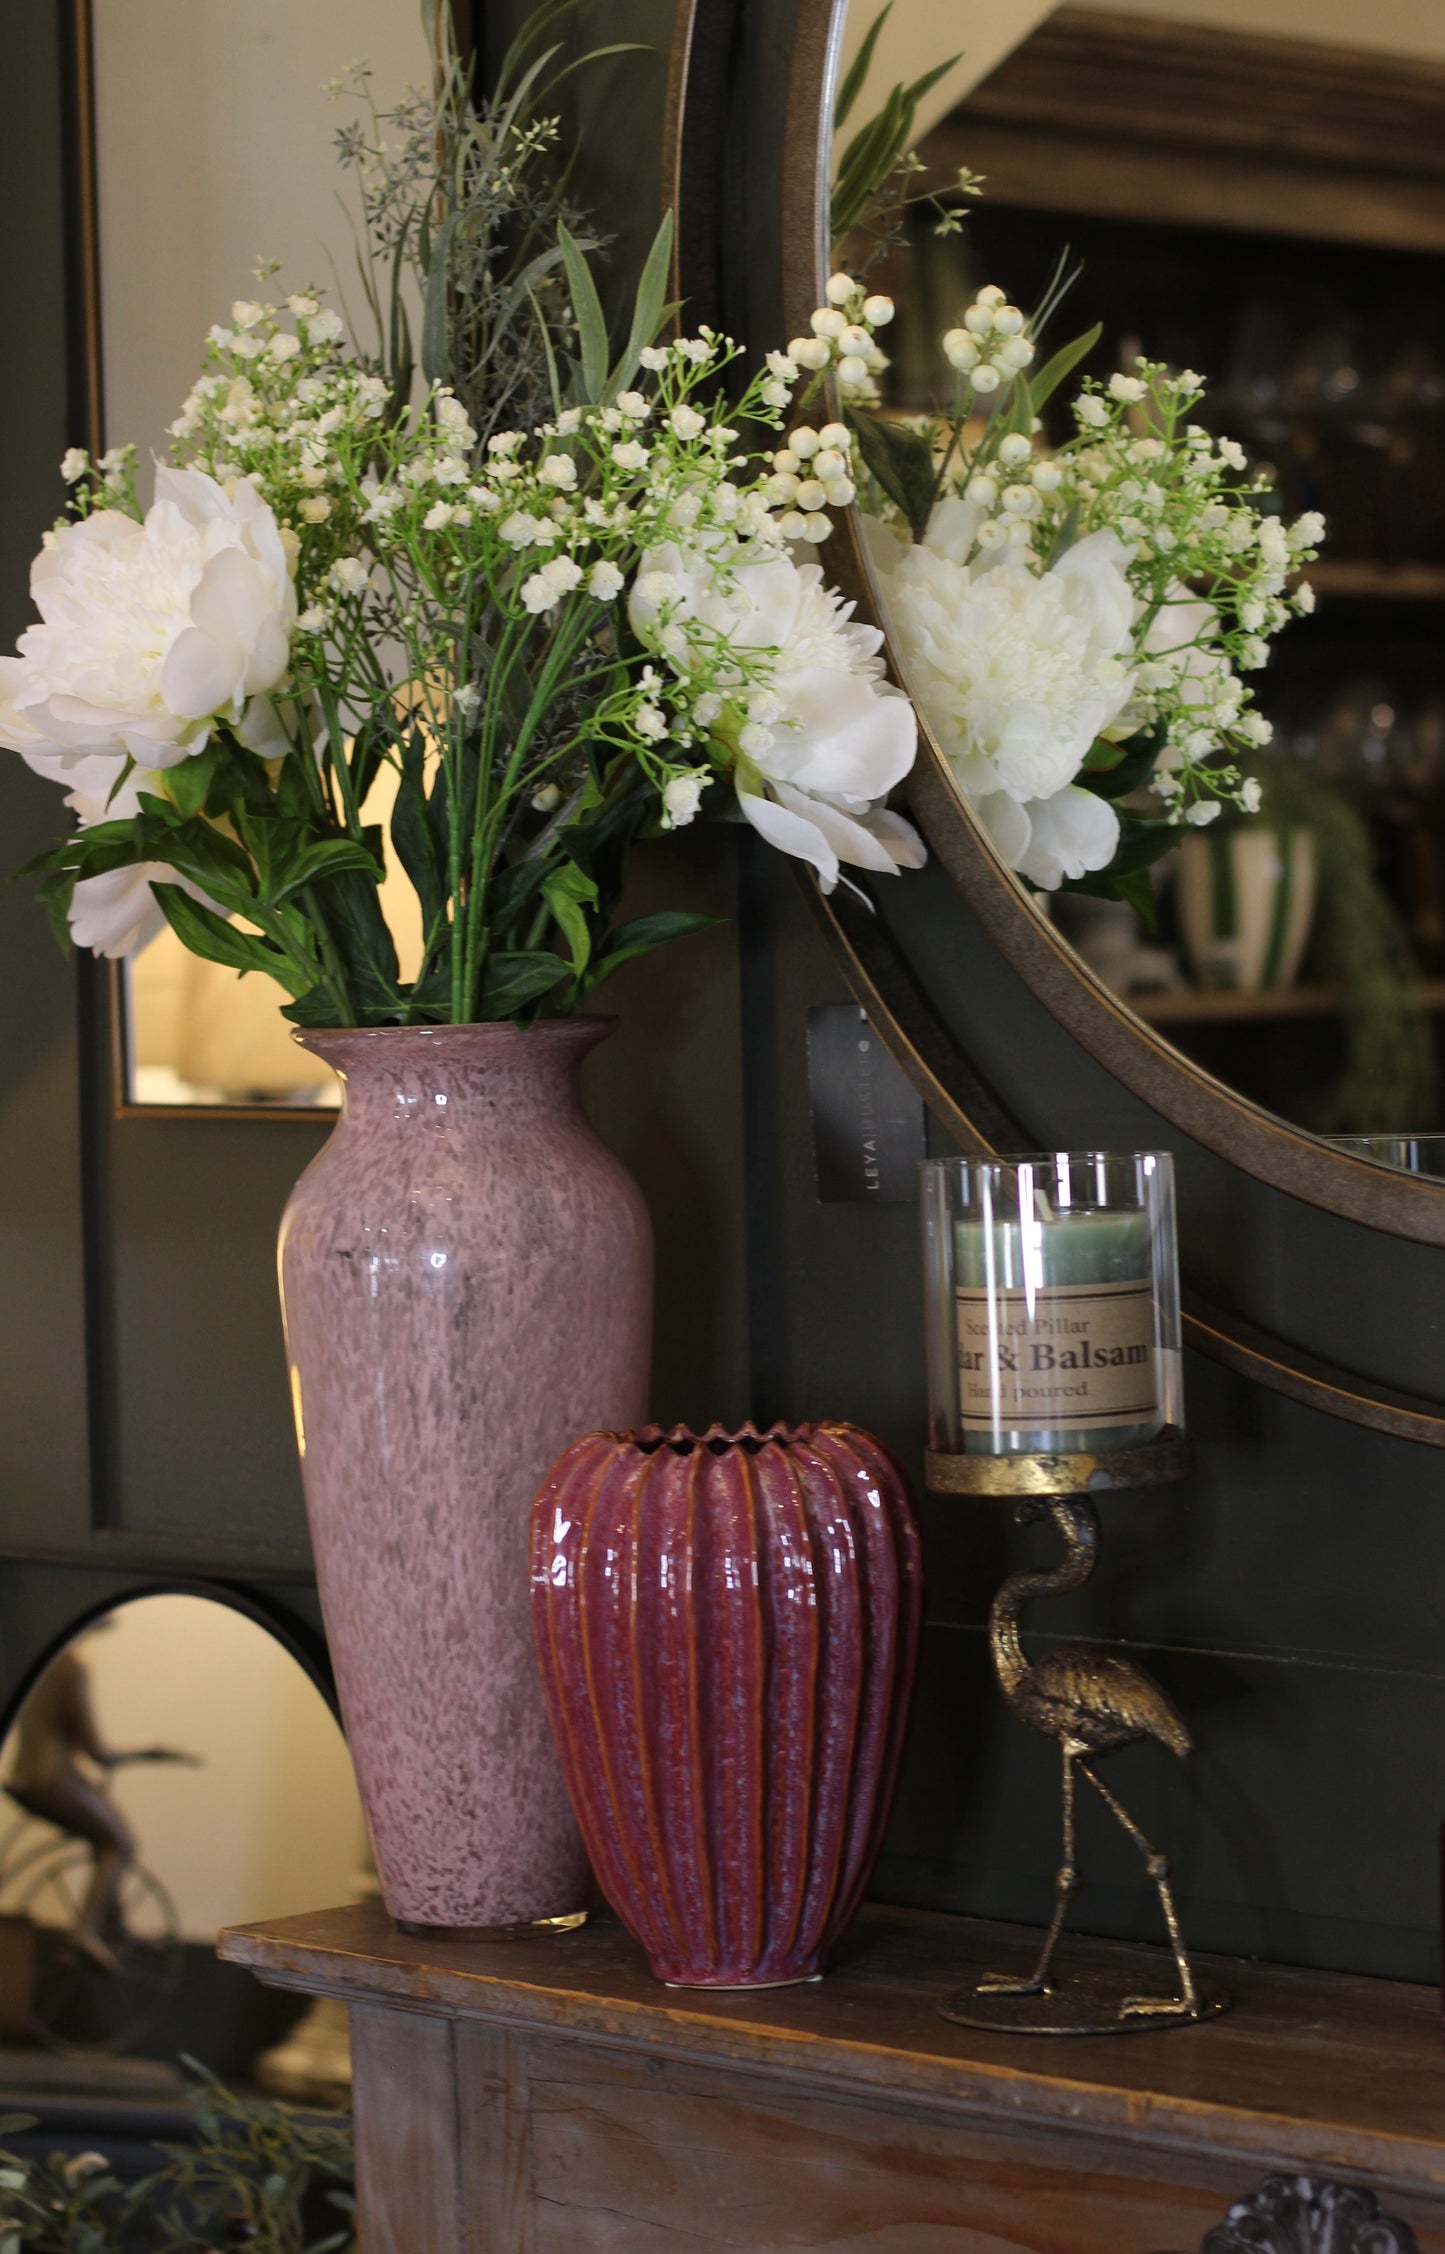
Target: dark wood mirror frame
{"type": "Point", "coordinates": [1280, 1157]}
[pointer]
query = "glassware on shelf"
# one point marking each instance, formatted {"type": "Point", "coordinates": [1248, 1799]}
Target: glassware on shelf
{"type": "Point", "coordinates": [1412, 1154]}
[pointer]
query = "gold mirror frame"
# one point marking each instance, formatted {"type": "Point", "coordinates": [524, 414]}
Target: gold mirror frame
{"type": "Point", "coordinates": [1256, 1141]}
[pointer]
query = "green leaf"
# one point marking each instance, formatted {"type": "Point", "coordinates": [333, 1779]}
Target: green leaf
{"type": "Point", "coordinates": [858, 70]}
{"type": "Point", "coordinates": [534, 23]}
{"type": "Point", "coordinates": [514, 886]}
{"type": "Point", "coordinates": [535, 271]}
{"type": "Point", "coordinates": [914, 94]}
{"type": "Point", "coordinates": [188, 785]}
{"type": "Point", "coordinates": [207, 934]}
{"type": "Point", "coordinates": [510, 982]}
{"type": "Point", "coordinates": [567, 891]}
{"type": "Point", "coordinates": [867, 163]}
{"type": "Point", "coordinates": [902, 462]}
{"type": "Point", "coordinates": [1131, 885]}
{"type": "Point", "coordinates": [316, 1007]}
{"type": "Point", "coordinates": [1045, 381]}
{"type": "Point", "coordinates": [1019, 414]}
{"type": "Point", "coordinates": [56, 893]}
{"type": "Point", "coordinates": [1129, 769]}
{"type": "Point", "coordinates": [435, 357]}
{"type": "Point", "coordinates": [1064, 539]}
{"type": "Point", "coordinates": [363, 762]}
{"type": "Point", "coordinates": [640, 937]}
{"type": "Point", "coordinates": [416, 848]}
{"type": "Point", "coordinates": [210, 859]}
{"type": "Point", "coordinates": [354, 915]}
{"type": "Point", "coordinates": [1141, 844]}
{"type": "Point", "coordinates": [649, 307]}
{"type": "Point", "coordinates": [328, 857]}
{"type": "Point", "coordinates": [587, 306]}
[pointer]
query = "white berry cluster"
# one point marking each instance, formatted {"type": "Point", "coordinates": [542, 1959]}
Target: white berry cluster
{"type": "Point", "coordinates": [843, 338]}
{"type": "Point", "coordinates": [811, 474]}
{"type": "Point", "coordinates": [992, 344]}
{"type": "Point", "coordinates": [1013, 493]}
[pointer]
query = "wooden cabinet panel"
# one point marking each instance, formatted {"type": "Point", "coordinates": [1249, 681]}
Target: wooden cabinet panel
{"type": "Point", "coordinates": [589, 2108]}
{"type": "Point", "coordinates": [404, 2101]}
{"type": "Point", "coordinates": [632, 2154]}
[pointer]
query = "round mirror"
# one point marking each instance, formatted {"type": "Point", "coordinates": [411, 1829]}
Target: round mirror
{"type": "Point", "coordinates": [1192, 309]}
{"type": "Point", "coordinates": [173, 1770]}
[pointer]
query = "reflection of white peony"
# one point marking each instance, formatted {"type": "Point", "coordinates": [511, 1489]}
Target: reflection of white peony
{"type": "Point", "coordinates": [838, 737]}
{"type": "Point", "coordinates": [1070, 834]}
{"type": "Point", "coordinates": [1017, 671]}
{"type": "Point", "coordinates": [151, 632]}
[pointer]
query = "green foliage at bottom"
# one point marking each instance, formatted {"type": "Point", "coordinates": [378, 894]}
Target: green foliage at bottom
{"type": "Point", "coordinates": [251, 2177]}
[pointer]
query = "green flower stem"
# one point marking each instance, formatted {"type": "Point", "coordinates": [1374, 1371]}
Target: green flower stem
{"type": "Point", "coordinates": [570, 633]}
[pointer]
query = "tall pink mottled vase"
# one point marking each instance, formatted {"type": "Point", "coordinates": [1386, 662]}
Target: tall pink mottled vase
{"type": "Point", "coordinates": [466, 1282]}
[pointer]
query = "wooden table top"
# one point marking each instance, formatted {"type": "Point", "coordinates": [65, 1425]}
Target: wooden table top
{"type": "Point", "coordinates": [1318, 2070]}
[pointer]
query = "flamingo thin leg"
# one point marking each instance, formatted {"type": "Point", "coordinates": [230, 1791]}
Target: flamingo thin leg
{"type": "Point", "coordinates": [1036, 1983]}
{"type": "Point", "coordinates": [1186, 2004]}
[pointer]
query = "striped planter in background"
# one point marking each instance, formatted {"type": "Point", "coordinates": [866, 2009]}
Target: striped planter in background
{"type": "Point", "coordinates": [1246, 901]}
{"type": "Point", "coordinates": [727, 1627]}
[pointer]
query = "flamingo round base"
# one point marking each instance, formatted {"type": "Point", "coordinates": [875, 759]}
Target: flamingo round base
{"type": "Point", "coordinates": [1084, 2000]}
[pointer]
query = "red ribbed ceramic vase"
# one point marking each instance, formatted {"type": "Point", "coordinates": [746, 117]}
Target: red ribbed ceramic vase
{"type": "Point", "coordinates": [727, 1628]}
{"type": "Point", "coordinates": [466, 1280]}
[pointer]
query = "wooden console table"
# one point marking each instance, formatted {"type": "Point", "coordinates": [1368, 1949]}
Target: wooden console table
{"type": "Point", "coordinates": [545, 2096]}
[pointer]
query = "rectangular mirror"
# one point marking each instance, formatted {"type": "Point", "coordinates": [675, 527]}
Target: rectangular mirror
{"type": "Point", "coordinates": [219, 118]}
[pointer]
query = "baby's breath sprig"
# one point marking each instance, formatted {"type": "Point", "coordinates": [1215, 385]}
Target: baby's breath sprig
{"type": "Point", "coordinates": [1213, 568]}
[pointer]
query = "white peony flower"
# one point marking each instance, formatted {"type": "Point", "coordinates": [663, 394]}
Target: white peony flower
{"type": "Point", "coordinates": [839, 738]}
{"type": "Point", "coordinates": [150, 633]}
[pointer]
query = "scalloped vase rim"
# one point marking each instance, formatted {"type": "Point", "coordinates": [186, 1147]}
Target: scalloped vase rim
{"type": "Point", "coordinates": [651, 1439]}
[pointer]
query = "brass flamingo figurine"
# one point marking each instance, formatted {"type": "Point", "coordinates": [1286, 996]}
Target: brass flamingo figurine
{"type": "Point", "coordinates": [1091, 1703]}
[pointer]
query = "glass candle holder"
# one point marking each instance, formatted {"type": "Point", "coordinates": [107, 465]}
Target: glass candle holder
{"type": "Point", "coordinates": [1052, 1302]}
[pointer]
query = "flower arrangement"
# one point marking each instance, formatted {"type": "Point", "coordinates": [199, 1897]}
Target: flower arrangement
{"type": "Point", "coordinates": [537, 640]}
{"type": "Point", "coordinates": [1075, 621]}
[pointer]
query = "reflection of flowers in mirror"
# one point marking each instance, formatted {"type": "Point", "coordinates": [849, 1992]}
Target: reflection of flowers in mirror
{"type": "Point", "coordinates": [1076, 621]}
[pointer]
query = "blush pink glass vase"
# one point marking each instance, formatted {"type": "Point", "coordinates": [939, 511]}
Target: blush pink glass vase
{"type": "Point", "coordinates": [727, 1628]}
{"type": "Point", "coordinates": [466, 1281]}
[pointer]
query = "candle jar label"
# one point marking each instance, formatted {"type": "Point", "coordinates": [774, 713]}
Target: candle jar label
{"type": "Point", "coordinates": [1077, 1357]}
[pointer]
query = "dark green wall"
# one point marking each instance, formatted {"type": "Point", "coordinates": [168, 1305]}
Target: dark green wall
{"type": "Point", "coordinates": [1291, 1595]}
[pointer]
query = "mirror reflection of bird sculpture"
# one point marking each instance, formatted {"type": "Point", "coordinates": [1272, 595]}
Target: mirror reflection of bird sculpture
{"type": "Point", "coordinates": [1090, 1703]}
